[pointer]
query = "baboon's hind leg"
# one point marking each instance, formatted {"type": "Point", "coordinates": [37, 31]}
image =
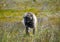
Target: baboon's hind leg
{"type": "Point", "coordinates": [27, 30]}
{"type": "Point", "coordinates": [33, 30]}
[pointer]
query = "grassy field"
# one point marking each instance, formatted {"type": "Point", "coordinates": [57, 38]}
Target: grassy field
{"type": "Point", "coordinates": [48, 28]}
{"type": "Point", "coordinates": [12, 30]}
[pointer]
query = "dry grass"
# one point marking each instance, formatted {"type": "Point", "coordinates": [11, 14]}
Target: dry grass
{"type": "Point", "coordinates": [12, 30]}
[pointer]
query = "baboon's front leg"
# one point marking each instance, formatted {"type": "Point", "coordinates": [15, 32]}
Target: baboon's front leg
{"type": "Point", "coordinates": [33, 30]}
{"type": "Point", "coordinates": [27, 31]}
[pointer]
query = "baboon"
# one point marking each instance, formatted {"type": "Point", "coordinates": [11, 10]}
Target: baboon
{"type": "Point", "coordinates": [30, 21]}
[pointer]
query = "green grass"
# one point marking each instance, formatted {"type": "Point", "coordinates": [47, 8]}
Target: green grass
{"type": "Point", "coordinates": [12, 30]}
{"type": "Point", "coordinates": [48, 28]}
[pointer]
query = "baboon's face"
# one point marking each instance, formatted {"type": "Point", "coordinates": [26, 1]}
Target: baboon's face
{"type": "Point", "coordinates": [29, 18]}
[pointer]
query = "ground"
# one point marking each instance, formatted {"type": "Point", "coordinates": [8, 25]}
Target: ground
{"type": "Point", "coordinates": [48, 27]}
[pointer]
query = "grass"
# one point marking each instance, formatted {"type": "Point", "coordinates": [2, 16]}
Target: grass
{"type": "Point", "coordinates": [48, 28]}
{"type": "Point", "coordinates": [12, 30]}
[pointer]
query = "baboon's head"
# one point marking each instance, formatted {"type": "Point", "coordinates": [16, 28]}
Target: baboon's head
{"type": "Point", "coordinates": [28, 17]}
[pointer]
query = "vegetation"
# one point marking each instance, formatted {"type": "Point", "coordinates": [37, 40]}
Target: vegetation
{"type": "Point", "coordinates": [48, 15]}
